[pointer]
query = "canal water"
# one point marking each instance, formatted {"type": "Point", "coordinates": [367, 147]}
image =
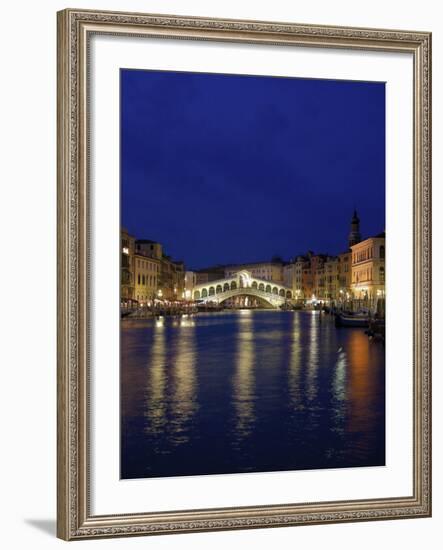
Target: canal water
{"type": "Point", "coordinates": [249, 391]}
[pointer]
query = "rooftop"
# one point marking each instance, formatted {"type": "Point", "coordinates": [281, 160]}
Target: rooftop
{"type": "Point", "coordinates": [145, 241]}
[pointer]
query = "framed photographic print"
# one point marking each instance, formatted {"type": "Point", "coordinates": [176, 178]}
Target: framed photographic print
{"type": "Point", "coordinates": [243, 274]}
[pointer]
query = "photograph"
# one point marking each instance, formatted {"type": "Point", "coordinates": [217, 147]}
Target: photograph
{"type": "Point", "coordinates": [252, 273]}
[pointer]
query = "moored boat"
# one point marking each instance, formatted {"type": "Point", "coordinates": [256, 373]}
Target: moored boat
{"type": "Point", "coordinates": [352, 320]}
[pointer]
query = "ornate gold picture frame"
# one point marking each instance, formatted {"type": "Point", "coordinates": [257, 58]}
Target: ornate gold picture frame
{"type": "Point", "coordinates": [75, 29]}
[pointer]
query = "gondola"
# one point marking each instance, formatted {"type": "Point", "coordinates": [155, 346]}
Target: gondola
{"type": "Point", "coordinates": [355, 320]}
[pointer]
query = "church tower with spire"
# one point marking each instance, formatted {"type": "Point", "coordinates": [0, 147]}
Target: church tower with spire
{"type": "Point", "coordinates": [354, 235]}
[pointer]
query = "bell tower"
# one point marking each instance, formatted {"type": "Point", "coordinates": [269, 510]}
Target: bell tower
{"type": "Point", "coordinates": [354, 235]}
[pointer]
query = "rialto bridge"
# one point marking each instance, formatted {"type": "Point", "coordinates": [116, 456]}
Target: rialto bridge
{"type": "Point", "coordinates": [243, 284]}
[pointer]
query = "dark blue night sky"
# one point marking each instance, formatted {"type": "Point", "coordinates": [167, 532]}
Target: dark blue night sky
{"type": "Point", "coordinates": [231, 169]}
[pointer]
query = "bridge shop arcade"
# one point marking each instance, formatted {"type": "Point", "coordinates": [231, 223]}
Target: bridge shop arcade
{"type": "Point", "coordinates": [243, 290]}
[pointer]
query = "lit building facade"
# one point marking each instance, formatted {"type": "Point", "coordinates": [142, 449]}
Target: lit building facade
{"type": "Point", "coordinates": [297, 276]}
{"type": "Point", "coordinates": [127, 276]}
{"type": "Point", "coordinates": [317, 263]}
{"type": "Point", "coordinates": [332, 278]}
{"type": "Point", "coordinates": [172, 279]}
{"type": "Point", "coordinates": [345, 277]}
{"type": "Point", "coordinates": [345, 270]}
{"type": "Point", "coordinates": [269, 271]}
{"type": "Point", "coordinates": [190, 283]}
{"type": "Point", "coordinates": [289, 275]}
{"type": "Point", "coordinates": [147, 275]}
{"type": "Point", "coordinates": [368, 271]}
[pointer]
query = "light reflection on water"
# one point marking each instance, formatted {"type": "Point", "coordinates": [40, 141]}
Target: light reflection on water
{"type": "Point", "coordinates": [156, 383]}
{"type": "Point", "coordinates": [183, 402]}
{"type": "Point", "coordinates": [313, 356]}
{"type": "Point", "coordinates": [243, 380]}
{"type": "Point", "coordinates": [248, 391]}
{"type": "Point", "coordinates": [177, 371]}
{"type": "Point", "coordinates": [295, 364]}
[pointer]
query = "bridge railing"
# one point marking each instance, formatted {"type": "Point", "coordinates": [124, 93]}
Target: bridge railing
{"type": "Point", "coordinates": [222, 282]}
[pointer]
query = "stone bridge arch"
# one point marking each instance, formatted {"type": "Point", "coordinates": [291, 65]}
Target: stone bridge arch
{"type": "Point", "coordinates": [242, 283]}
{"type": "Point", "coordinates": [251, 295]}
